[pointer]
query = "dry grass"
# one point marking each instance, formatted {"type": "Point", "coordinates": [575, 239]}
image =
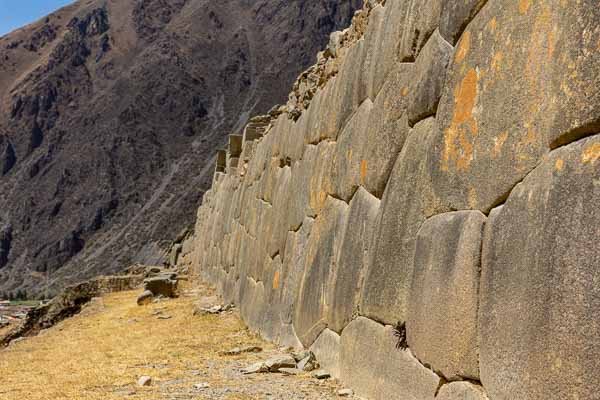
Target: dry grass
{"type": "Point", "coordinates": [101, 353]}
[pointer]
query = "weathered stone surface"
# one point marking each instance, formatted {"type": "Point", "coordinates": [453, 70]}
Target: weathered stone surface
{"type": "Point", "coordinates": [383, 55]}
{"type": "Point", "coordinates": [461, 391]}
{"type": "Point", "coordinates": [346, 96]}
{"type": "Point", "coordinates": [387, 130]}
{"type": "Point", "coordinates": [310, 316]}
{"type": "Point", "coordinates": [407, 200]}
{"type": "Point", "coordinates": [300, 187]}
{"type": "Point", "coordinates": [444, 295]}
{"type": "Point", "coordinates": [354, 251]}
{"type": "Point", "coordinates": [221, 161]}
{"type": "Point", "coordinates": [429, 78]}
{"type": "Point", "coordinates": [235, 145]}
{"type": "Point", "coordinates": [279, 223]}
{"type": "Point", "coordinates": [321, 374]}
{"type": "Point", "coordinates": [371, 364]}
{"type": "Point", "coordinates": [255, 368]}
{"type": "Point", "coordinates": [327, 350]}
{"type": "Point", "coordinates": [348, 160]}
{"type": "Point", "coordinates": [321, 182]}
{"type": "Point", "coordinates": [373, 39]}
{"type": "Point", "coordinates": [145, 298]}
{"type": "Point", "coordinates": [293, 269]}
{"type": "Point", "coordinates": [422, 19]}
{"type": "Point", "coordinates": [520, 83]}
{"type": "Point", "coordinates": [309, 124]}
{"type": "Point", "coordinates": [145, 381]}
{"type": "Point", "coordinates": [274, 364]}
{"type": "Point", "coordinates": [540, 299]}
{"type": "Point", "coordinates": [456, 15]}
{"type": "Point", "coordinates": [161, 286]}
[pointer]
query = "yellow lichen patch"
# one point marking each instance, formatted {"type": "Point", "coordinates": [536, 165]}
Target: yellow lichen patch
{"type": "Point", "coordinates": [492, 24]}
{"type": "Point", "coordinates": [498, 143]}
{"type": "Point", "coordinates": [463, 126]}
{"type": "Point", "coordinates": [524, 6]}
{"type": "Point", "coordinates": [591, 154]}
{"type": "Point", "coordinates": [463, 47]}
{"type": "Point", "coordinates": [276, 280]}
{"type": "Point", "coordinates": [363, 171]}
{"type": "Point", "coordinates": [497, 61]}
{"type": "Point", "coordinates": [559, 164]}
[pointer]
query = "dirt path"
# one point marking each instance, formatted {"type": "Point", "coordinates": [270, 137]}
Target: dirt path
{"type": "Point", "coordinates": [101, 353]}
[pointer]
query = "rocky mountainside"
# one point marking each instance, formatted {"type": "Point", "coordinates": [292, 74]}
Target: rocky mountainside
{"type": "Point", "coordinates": [110, 113]}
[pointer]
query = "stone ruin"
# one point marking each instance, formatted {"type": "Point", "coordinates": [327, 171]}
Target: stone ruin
{"type": "Point", "coordinates": [433, 181]}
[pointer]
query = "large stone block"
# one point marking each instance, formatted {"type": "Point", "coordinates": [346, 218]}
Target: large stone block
{"type": "Point", "coordinates": [310, 316]}
{"type": "Point", "coordinates": [455, 17]}
{"type": "Point", "coordinates": [292, 142]}
{"type": "Point", "coordinates": [373, 40]}
{"type": "Point", "coordinates": [346, 94]}
{"type": "Point", "coordinates": [348, 160]}
{"type": "Point", "coordinates": [383, 35]}
{"type": "Point", "coordinates": [310, 121]}
{"type": "Point", "coordinates": [293, 269]}
{"type": "Point", "coordinates": [321, 182]}
{"type": "Point", "coordinates": [300, 187]}
{"type": "Point", "coordinates": [461, 391]}
{"type": "Point", "coordinates": [429, 78]}
{"type": "Point", "coordinates": [373, 366]}
{"type": "Point", "coordinates": [327, 351]}
{"type": "Point", "coordinates": [422, 19]}
{"type": "Point", "coordinates": [444, 295]}
{"type": "Point", "coordinates": [279, 223]}
{"type": "Point", "coordinates": [387, 130]}
{"type": "Point", "coordinates": [356, 242]}
{"type": "Point", "coordinates": [271, 324]}
{"type": "Point", "coordinates": [235, 145]}
{"type": "Point", "coordinates": [406, 202]}
{"type": "Point", "coordinates": [540, 294]}
{"type": "Point", "coordinates": [522, 81]}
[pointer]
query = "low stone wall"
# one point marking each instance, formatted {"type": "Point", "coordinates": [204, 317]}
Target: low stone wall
{"type": "Point", "coordinates": [69, 302]}
{"type": "Point", "coordinates": [433, 183]}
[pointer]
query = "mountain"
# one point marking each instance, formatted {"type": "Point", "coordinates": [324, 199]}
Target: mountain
{"type": "Point", "coordinates": [110, 113]}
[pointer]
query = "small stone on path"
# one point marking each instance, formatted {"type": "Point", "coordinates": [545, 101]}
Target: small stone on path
{"type": "Point", "coordinates": [202, 385]}
{"type": "Point", "coordinates": [255, 368]}
{"type": "Point", "coordinates": [321, 374]}
{"type": "Point", "coordinates": [145, 381]}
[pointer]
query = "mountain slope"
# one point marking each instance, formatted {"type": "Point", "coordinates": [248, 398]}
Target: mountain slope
{"type": "Point", "coordinates": [110, 109]}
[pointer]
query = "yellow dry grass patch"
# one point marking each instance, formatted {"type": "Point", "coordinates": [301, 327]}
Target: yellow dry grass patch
{"type": "Point", "coordinates": [101, 353]}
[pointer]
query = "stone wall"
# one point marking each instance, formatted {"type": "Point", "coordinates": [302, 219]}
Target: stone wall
{"type": "Point", "coordinates": [434, 181]}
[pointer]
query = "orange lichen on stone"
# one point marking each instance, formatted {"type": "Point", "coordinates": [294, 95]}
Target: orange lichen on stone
{"type": "Point", "coordinates": [524, 6]}
{"type": "Point", "coordinates": [404, 91]}
{"type": "Point", "coordinates": [497, 61]}
{"type": "Point", "coordinates": [463, 47]}
{"type": "Point", "coordinates": [463, 125]}
{"type": "Point", "coordinates": [276, 280]}
{"type": "Point", "coordinates": [363, 171]}
{"type": "Point", "coordinates": [498, 143]}
{"type": "Point", "coordinates": [559, 164]}
{"type": "Point", "coordinates": [493, 24]}
{"type": "Point", "coordinates": [591, 154]}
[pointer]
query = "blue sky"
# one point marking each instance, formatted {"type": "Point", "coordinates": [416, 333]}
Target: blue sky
{"type": "Point", "coordinates": [17, 13]}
